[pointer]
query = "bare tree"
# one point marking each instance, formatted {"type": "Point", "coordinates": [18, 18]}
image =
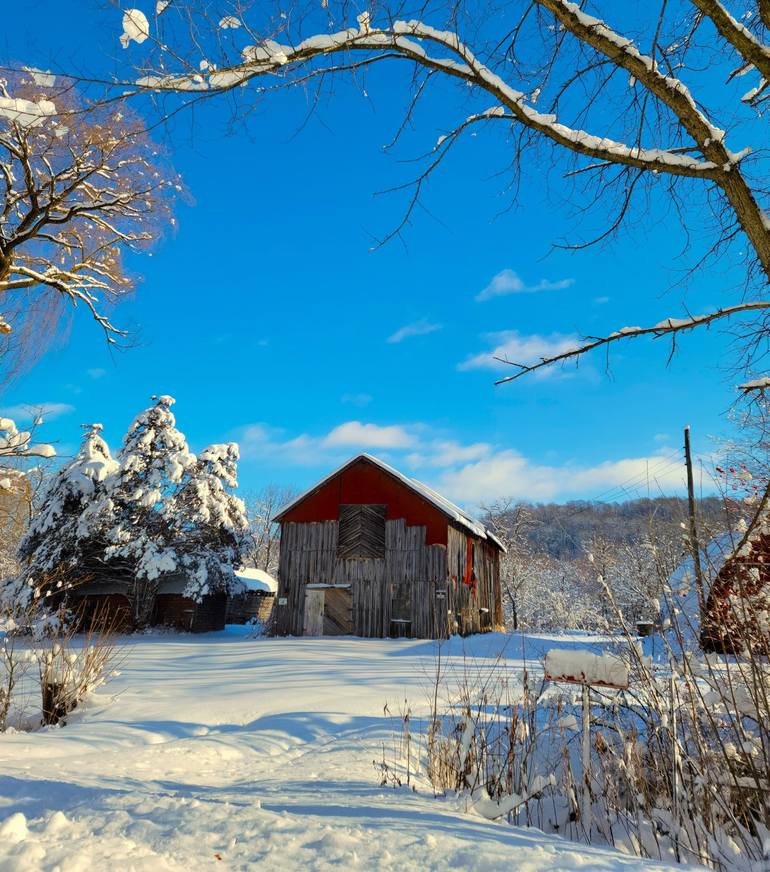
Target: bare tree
{"type": "Point", "coordinates": [264, 535]}
{"type": "Point", "coordinates": [511, 521]}
{"type": "Point", "coordinates": [636, 115]}
{"type": "Point", "coordinates": [80, 185]}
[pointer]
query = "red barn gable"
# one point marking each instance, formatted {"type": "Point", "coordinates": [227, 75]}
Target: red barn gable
{"type": "Point", "coordinates": [366, 479]}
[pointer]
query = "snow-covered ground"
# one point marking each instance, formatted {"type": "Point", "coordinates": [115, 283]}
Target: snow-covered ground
{"type": "Point", "coordinates": [221, 751]}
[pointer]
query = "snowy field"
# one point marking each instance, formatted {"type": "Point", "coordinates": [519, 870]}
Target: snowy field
{"type": "Point", "coordinates": [221, 751]}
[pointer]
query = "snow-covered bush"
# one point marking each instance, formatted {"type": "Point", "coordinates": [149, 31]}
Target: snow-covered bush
{"type": "Point", "coordinates": [68, 672]}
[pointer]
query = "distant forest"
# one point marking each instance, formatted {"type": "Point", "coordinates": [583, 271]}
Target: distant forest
{"type": "Point", "coordinates": [559, 531]}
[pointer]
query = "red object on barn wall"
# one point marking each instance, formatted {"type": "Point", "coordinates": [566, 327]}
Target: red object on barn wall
{"type": "Point", "coordinates": [365, 483]}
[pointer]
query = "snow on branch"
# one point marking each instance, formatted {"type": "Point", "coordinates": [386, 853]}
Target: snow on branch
{"type": "Point", "coordinates": [757, 384]}
{"type": "Point", "coordinates": [80, 185]}
{"type": "Point", "coordinates": [621, 51]}
{"type": "Point", "coordinates": [667, 327]}
{"type": "Point", "coordinates": [411, 40]}
{"type": "Point", "coordinates": [18, 443]}
{"type": "Point", "coordinates": [740, 37]}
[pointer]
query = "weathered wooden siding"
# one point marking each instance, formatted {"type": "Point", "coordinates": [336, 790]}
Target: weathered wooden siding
{"type": "Point", "coordinates": [474, 607]}
{"type": "Point", "coordinates": [409, 570]}
{"type": "Point", "coordinates": [409, 575]}
{"type": "Point", "coordinates": [252, 605]}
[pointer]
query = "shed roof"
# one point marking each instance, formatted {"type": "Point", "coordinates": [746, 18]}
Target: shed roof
{"type": "Point", "coordinates": [449, 509]}
{"type": "Point", "coordinates": [256, 579]}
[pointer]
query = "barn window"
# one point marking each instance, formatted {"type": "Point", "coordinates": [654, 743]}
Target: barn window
{"type": "Point", "coordinates": [361, 531]}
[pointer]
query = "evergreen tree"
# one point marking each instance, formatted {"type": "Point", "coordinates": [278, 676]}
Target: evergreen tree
{"type": "Point", "coordinates": [154, 511]}
{"type": "Point", "coordinates": [136, 510]}
{"type": "Point", "coordinates": [58, 541]}
{"type": "Point", "coordinates": [210, 523]}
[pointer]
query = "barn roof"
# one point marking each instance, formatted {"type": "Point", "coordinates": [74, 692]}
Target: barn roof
{"type": "Point", "coordinates": [453, 512]}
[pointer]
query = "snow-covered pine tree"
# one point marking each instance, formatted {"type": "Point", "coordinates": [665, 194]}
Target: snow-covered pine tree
{"type": "Point", "coordinates": [136, 512]}
{"type": "Point", "coordinates": [210, 522]}
{"type": "Point", "coordinates": [57, 540]}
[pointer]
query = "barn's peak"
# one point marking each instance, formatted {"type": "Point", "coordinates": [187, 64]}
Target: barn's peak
{"type": "Point", "coordinates": [448, 508]}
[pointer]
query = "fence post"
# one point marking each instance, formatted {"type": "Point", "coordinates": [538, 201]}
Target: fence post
{"type": "Point", "coordinates": [674, 768]}
{"type": "Point", "coordinates": [586, 810]}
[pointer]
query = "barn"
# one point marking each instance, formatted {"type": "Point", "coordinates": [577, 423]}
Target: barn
{"type": "Point", "coordinates": [369, 551]}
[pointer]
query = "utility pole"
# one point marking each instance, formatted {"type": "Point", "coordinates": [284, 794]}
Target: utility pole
{"type": "Point", "coordinates": [695, 547]}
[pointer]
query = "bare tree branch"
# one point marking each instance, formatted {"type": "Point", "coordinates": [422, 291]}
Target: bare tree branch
{"type": "Point", "coordinates": [668, 327]}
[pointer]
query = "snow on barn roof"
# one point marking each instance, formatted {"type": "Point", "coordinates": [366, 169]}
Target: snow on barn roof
{"type": "Point", "coordinates": [453, 512]}
{"type": "Point", "coordinates": [256, 579]}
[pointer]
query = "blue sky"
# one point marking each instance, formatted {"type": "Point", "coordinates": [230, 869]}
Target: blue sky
{"type": "Point", "coordinates": [270, 319]}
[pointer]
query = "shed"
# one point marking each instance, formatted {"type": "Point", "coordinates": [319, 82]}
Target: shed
{"type": "Point", "coordinates": [368, 551]}
{"type": "Point", "coordinates": [112, 601]}
{"type": "Point", "coordinates": [737, 615]}
{"type": "Point", "coordinates": [252, 596]}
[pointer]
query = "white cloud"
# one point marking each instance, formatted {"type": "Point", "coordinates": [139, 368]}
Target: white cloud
{"type": "Point", "coordinates": [417, 328]}
{"type": "Point", "coordinates": [508, 282]}
{"type": "Point", "coordinates": [357, 434]}
{"type": "Point", "coordinates": [515, 347]}
{"type": "Point", "coordinates": [29, 411]}
{"type": "Point", "coordinates": [443, 453]}
{"type": "Point", "coordinates": [357, 399]}
{"type": "Point", "coordinates": [509, 474]}
{"type": "Point", "coordinates": [262, 442]}
{"type": "Point", "coordinates": [470, 474]}
{"type": "Point", "coordinates": [96, 372]}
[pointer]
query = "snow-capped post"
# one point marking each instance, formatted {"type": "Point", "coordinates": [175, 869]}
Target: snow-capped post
{"type": "Point", "coordinates": [586, 669]}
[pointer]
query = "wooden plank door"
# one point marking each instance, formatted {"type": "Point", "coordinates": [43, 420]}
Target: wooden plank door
{"type": "Point", "coordinates": [338, 612]}
{"type": "Point", "coordinates": [314, 613]}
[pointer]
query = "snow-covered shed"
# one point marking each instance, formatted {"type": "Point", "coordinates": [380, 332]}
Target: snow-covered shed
{"type": "Point", "coordinates": [112, 601]}
{"type": "Point", "coordinates": [738, 606]}
{"type": "Point", "coordinates": [252, 596]}
{"type": "Point", "coordinates": [369, 551]}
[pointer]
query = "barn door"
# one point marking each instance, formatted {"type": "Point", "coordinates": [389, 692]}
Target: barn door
{"type": "Point", "coordinates": [338, 611]}
{"type": "Point", "coordinates": [314, 613]}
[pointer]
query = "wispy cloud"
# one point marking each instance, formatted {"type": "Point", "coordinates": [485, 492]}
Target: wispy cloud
{"type": "Point", "coordinates": [97, 372]}
{"type": "Point", "coordinates": [510, 474]}
{"type": "Point", "coordinates": [29, 411]}
{"type": "Point", "coordinates": [260, 441]}
{"type": "Point", "coordinates": [508, 282]}
{"type": "Point", "coordinates": [515, 347]}
{"type": "Point", "coordinates": [357, 399]}
{"type": "Point", "coordinates": [417, 328]}
{"type": "Point", "coordinates": [359, 435]}
{"type": "Point", "coordinates": [468, 473]}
